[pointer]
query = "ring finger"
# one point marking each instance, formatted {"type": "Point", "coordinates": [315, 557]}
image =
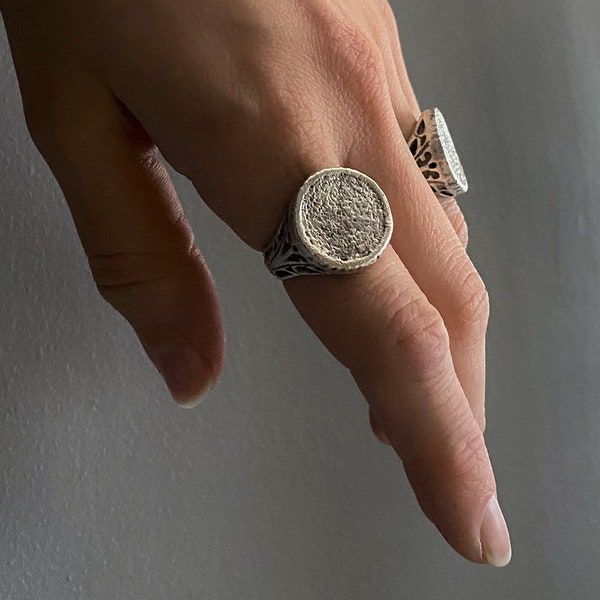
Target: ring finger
{"type": "Point", "coordinates": [451, 286]}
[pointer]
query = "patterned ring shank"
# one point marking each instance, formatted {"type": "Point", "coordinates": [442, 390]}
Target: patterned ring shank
{"type": "Point", "coordinates": [433, 150]}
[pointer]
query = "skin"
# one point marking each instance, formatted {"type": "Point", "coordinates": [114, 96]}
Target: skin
{"type": "Point", "coordinates": [247, 98]}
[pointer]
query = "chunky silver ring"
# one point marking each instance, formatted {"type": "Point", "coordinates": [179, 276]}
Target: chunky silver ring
{"type": "Point", "coordinates": [340, 222]}
{"type": "Point", "coordinates": [433, 149]}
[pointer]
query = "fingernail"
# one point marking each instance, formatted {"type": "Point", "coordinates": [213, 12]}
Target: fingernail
{"type": "Point", "coordinates": [185, 372]}
{"type": "Point", "coordinates": [493, 535]}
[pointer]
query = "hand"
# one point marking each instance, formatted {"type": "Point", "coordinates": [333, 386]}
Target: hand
{"type": "Point", "coordinates": [247, 99]}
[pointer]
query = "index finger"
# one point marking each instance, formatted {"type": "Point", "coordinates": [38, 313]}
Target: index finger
{"type": "Point", "coordinates": [380, 325]}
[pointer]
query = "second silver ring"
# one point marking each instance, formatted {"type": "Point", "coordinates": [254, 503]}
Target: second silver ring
{"type": "Point", "coordinates": [433, 150]}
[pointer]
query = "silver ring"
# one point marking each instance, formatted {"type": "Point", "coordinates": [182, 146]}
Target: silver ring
{"type": "Point", "coordinates": [433, 150]}
{"type": "Point", "coordinates": [339, 223]}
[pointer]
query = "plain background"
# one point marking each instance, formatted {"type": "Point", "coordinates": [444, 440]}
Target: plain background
{"type": "Point", "coordinates": [274, 487]}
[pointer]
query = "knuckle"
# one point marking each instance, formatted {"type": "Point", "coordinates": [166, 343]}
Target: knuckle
{"type": "Point", "coordinates": [121, 274]}
{"type": "Point", "coordinates": [419, 333]}
{"type": "Point", "coordinates": [462, 229]}
{"type": "Point", "coordinates": [456, 218]}
{"type": "Point", "coordinates": [389, 18]}
{"type": "Point", "coordinates": [360, 61]}
{"type": "Point", "coordinates": [43, 125]}
{"type": "Point", "coordinates": [472, 307]}
{"type": "Point", "coordinates": [482, 422]}
{"type": "Point", "coordinates": [386, 9]}
{"type": "Point", "coordinates": [377, 429]}
{"type": "Point", "coordinates": [469, 456]}
{"type": "Point", "coordinates": [55, 135]}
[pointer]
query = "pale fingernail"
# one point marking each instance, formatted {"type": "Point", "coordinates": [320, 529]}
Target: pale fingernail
{"type": "Point", "coordinates": [494, 537]}
{"type": "Point", "coordinates": [185, 372]}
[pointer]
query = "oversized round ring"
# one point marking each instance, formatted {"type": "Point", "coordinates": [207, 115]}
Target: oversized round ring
{"type": "Point", "coordinates": [433, 149]}
{"type": "Point", "coordinates": [340, 222]}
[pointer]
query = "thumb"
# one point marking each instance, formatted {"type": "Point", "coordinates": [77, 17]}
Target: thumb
{"type": "Point", "coordinates": [140, 248]}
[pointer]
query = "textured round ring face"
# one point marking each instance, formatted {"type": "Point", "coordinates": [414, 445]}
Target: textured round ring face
{"type": "Point", "coordinates": [343, 218]}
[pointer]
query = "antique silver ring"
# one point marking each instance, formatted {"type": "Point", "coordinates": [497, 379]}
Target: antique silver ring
{"type": "Point", "coordinates": [340, 222]}
{"type": "Point", "coordinates": [433, 150]}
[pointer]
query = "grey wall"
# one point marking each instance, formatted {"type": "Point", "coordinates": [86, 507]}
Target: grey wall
{"type": "Point", "coordinates": [275, 487]}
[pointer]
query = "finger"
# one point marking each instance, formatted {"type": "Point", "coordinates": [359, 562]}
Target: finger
{"type": "Point", "coordinates": [465, 312]}
{"type": "Point", "coordinates": [426, 238]}
{"type": "Point", "coordinates": [407, 110]}
{"type": "Point", "coordinates": [456, 218]}
{"type": "Point", "coordinates": [377, 429]}
{"type": "Point", "coordinates": [386, 34]}
{"type": "Point", "coordinates": [140, 249]}
{"type": "Point", "coordinates": [411, 111]}
{"type": "Point", "coordinates": [459, 225]}
{"type": "Point", "coordinates": [379, 324]}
